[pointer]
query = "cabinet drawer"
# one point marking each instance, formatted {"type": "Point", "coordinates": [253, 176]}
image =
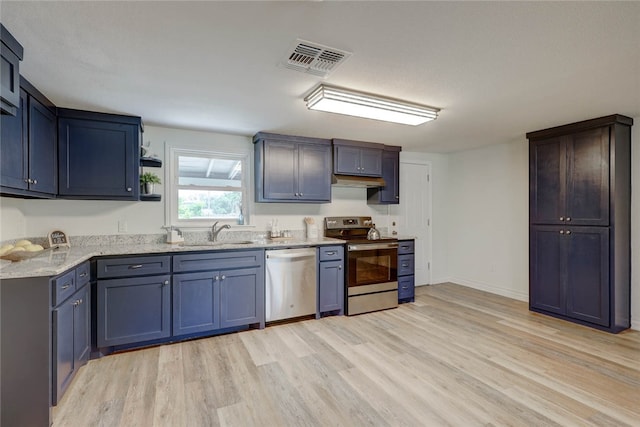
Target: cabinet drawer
{"type": "Point", "coordinates": [406, 287]}
{"type": "Point", "coordinates": [331, 253]}
{"type": "Point", "coordinates": [129, 267]}
{"type": "Point", "coordinates": [83, 274]}
{"type": "Point", "coordinates": [217, 260]}
{"type": "Point", "coordinates": [406, 247]}
{"type": "Point", "coordinates": [63, 286]}
{"type": "Point", "coordinates": [405, 265]}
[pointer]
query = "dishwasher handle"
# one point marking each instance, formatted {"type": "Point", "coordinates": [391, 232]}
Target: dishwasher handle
{"type": "Point", "coordinates": [299, 254]}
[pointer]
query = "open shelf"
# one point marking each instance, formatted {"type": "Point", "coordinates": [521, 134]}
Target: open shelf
{"type": "Point", "coordinates": [150, 162]}
{"type": "Point", "coordinates": [150, 197]}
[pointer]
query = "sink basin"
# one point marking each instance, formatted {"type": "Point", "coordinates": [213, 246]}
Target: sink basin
{"type": "Point", "coordinates": [221, 243]}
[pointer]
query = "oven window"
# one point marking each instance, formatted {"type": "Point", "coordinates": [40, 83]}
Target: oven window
{"type": "Point", "coordinates": [374, 266]}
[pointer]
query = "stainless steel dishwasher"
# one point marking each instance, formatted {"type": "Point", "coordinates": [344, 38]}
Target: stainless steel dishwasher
{"type": "Point", "coordinates": [290, 283]}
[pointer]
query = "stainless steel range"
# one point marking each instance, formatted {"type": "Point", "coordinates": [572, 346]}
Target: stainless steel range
{"type": "Point", "coordinates": [372, 270]}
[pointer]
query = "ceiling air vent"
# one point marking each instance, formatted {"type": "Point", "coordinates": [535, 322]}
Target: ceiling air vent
{"type": "Point", "coordinates": [314, 58]}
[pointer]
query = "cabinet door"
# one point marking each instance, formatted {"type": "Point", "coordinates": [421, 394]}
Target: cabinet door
{"type": "Point", "coordinates": [314, 172]}
{"type": "Point", "coordinates": [588, 274]}
{"type": "Point", "coordinates": [390, 193]}
{"type": "Point", "coordinates": [196, 298]}
{"type": "Point", "coordinates": [43, 162]}
{"type": "Point", "coordinates": [241, 297]}
{"type": "Point", "coordinates": [546, 269]}
{"type": "Point", "coordinates": [547, 181]}
{"type": "Point", "coordinates": [82, 326]}
{"type": "Point", "coordinates": [133, 310]}
{"type": "Point", "coordinates": [280, 170]}
{"type": "Point", "coordinates": [10, 75]}
{"type": "Point", "coordinates": [588, 178]}
{"type": "Point", "coordinates": [97, 159]}
{"type": "Point", "coordinates": [331, 286]}
{"type": "Point", "coordinates": [370, 162]}
{"type": "Point", "coordinates": [13, 147]}
{"type": "Point", "coordinates": [346, 160]}
{"type": "Point", "coordinates": [63, 335]}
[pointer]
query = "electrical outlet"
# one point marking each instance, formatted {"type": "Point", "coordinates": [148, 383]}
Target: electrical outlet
{"type": "Point", "coordinates": [122, 226]}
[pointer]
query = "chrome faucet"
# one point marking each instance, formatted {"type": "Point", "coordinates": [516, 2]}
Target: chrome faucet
{"type": "Point", "coordinates": [215, 230]}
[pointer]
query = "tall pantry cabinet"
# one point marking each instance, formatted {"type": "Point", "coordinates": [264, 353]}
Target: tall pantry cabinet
{"type": "Point", "coordinates": [579, 222]}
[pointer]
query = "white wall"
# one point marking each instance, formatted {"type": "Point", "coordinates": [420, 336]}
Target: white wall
{"type": "Point", "coordinates": [488, 219]}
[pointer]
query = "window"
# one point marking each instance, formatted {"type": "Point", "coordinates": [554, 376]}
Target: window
{"type": "Point", "coordinates": [208, 186]}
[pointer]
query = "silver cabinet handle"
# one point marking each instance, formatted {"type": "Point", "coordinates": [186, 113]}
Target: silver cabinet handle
{"type": "Point", "coordinates": [222, 277]}
{"type": "Point", "coordinates": [568, 232]}
{"type": "Point", "coordinates": [67, 286]}
{"type": "Point", "coordinates": [561, 218]}
{"type": "Point", "coordinates": [134, 267]}
{"type": "Point", "coordinates": [397, 197]}
{"type": "Point", "coordinates": [405, 265]}
{"type": "Point", "coordinates": [339, 267]}
{"type": "Point", "coordinates": [568, 218]}
{"type": "Point", "coordinates": [217, 277]}
{"type": "Point", "coordinates": [301, 194]}
{"type": "Point", "coordinates": [561, 231]}
{"type": "Point", "coordinates": [166, 282]}
{"type": "Point", "coordinates": [330, 253]}
{"type": "Point", "coordinates": [129, 189]}
{"type": "Point", "coordinates": [83, 274]}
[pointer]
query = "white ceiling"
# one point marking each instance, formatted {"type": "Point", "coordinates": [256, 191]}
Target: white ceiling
{"type": "Point", "coordinates": [497, 70]}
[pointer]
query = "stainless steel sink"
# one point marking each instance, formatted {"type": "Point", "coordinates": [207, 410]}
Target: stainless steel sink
{"type": "Point", "coordinates": [221, 243]}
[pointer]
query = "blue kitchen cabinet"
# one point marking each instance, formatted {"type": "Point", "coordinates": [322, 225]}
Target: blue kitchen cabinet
{"type": "Point", "coordinates": [570, 275]}
{"type": "Point", "coordinates": [196, 302]}
{"type": "Point", "coordinates": [292, 169]}
{"type": "Point", "coordinates": [228, 292]}
{"type": "Point", "coordinates": [390, 193]}
{"type": "Point", "coordinates": [357, 158]}
{"type": "Point", "coordinates": [29, 145]}
{"type": "Point", "coordinates": [98, 155]}
{"type": "Point", "coordinates": [241, 297]}
{"type": "Point", "coordinates": [330, 279]}
{"type": "Point", "coordinates": [11, 53]}
{"type": "Point", "coordinates": [71, 320]}
{"type": "Point", "coordinates": [133, 299]}
{"type": "Point", "coordinates": [406, 270]}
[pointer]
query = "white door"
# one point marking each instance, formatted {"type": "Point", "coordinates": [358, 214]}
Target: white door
{"type": "Point", "coordinates": [414, 216]}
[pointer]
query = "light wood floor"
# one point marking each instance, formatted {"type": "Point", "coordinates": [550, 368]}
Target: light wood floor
{"type": "Point", "coordinates": [456, 357]}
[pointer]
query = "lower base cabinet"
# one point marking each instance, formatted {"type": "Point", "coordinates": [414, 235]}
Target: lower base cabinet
{"type": "Point", "coordinates": [196, 298]}
{"type": "Point", "coordinates": [330, 279]}
{"type": "Point", "coordinates": [406, 271]}
{"type": "Point", "coordinates": [132, 310]}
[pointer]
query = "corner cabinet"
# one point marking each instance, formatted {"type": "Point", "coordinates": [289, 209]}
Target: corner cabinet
{"type": "Point", "coordinates": [98, 155]}
{"type": "Point", "coordinates": [357, 158]}
{"type": "Point", "coordinates": [29, 145]}
{"type": "Point", "coordinates": [292, 169]}
{"type": "Point", "coordinates": [579, 232]}
{"type": "Point", "coordinates": [390, 193]}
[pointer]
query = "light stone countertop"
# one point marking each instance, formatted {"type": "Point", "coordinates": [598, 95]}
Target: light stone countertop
{"type": "Point", "coordinates": [52, 262]}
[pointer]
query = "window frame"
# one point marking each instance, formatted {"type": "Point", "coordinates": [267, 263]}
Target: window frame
{"type": "Point", "coordinates": [171, 210]}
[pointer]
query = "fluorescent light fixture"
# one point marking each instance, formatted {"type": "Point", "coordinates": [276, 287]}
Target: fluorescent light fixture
{"type": "Point", "coordinates": [343, 101]}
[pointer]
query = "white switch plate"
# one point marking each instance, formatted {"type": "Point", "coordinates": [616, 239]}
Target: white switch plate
{"type": "Point", "coordinates": [122, 226]}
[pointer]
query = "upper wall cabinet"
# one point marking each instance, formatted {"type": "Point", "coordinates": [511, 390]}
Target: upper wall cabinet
{"type": "Point", "coordinates": [390, 193]}
{"type": "Point", "coordinates": [11, 53]}
{"type": "Point", "coordinates": [98, 155]}
{"type": "Point", "coordinates": [292, 169]}
{"type": "Point", "coordinates": [28, 164]}
{"type": "Point", "coordinates": [357, 158]}
{"type": "Point", "coordinates": [570, 178]}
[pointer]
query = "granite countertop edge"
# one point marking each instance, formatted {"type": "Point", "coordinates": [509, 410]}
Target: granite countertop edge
{"type": "Point", "coordinates": [52, 262]}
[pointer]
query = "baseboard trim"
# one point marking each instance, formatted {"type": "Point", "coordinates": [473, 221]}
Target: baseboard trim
{"type": "Point", "coordinates": [635, 325]}
{"type": "Point", "coordinates": [509, 293]}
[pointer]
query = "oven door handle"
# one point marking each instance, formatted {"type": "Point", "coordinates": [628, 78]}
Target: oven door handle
{"type": "Point", "coordinates": [371, 246]}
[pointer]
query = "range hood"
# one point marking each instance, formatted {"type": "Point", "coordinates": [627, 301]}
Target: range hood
{"type": "Point", "coordinates": [357, 181]}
